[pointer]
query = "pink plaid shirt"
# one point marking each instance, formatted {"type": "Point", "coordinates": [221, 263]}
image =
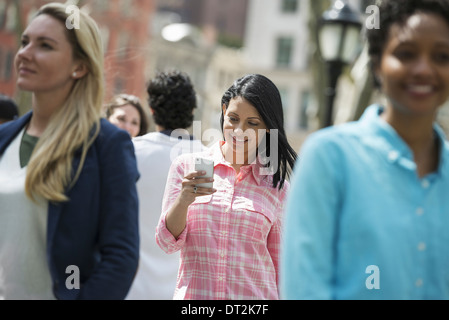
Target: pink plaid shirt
{"type": "Point", "coordinates": [230, 248]}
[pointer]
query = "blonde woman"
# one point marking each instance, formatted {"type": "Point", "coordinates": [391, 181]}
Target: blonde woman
{"type": "Point", "coordinates": [68, 219]}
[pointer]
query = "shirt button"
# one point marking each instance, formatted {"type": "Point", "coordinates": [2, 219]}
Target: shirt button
{"type": "Point", "coordinates": [393, 155]}
{"type": "Point", "coordinates": [420, 211]}
{"type": "Point", "coordinates": [425, 184]}
{"type": "Point", "coordinates": [220, 278]}
{"type": "Point", "coordinates": [419, 282]}
{"type": "Point", "coordinates": [223, 233]}
{"type": "Point", "coordinates": [421, 246]}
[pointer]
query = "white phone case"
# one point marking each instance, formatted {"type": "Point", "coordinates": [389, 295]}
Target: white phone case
{"type": "Point", "coordinates": [207, 165]}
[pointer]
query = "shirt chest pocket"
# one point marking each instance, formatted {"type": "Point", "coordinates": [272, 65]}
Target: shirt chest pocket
{"type": "Point", "coordinates": [253, 219]}
{"type": "Point", "coordinates": [200, 216]}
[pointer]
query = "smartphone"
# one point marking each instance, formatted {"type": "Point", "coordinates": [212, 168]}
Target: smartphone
{"type": "Point", "coordinates": [206, 165]}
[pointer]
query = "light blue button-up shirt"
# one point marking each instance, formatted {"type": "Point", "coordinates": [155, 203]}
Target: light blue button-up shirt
{"type": "Point", "coordinates": [360, 223]}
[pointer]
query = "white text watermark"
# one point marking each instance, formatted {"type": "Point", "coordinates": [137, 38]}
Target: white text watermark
{"type": "Point", "coordinates": [373, 280]}
{"type": "Point", "coordinates": [73, 20]}
{"type": "Point", "coordinates": [246, 142]}
{"type": "Point", "coordinates": [373, 19]}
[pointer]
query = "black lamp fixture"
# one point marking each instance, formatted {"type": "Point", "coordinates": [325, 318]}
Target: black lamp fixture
{"type": "Point", "coordinates": [339, 41]}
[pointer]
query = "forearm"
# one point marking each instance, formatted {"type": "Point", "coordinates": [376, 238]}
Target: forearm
{"type": "Point", "coordinates": [176, 218]}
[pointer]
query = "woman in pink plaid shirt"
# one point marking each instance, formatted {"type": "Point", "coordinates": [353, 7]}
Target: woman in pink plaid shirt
{"type": "Point", "coordinates": [230, 235]}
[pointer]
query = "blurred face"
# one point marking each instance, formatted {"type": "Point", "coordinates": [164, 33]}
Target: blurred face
{"type": "Point", "coordinates": [414, 69]}
{"type": "Point", "coordinates": [127, 118]}
{"type": "Point", "coordinates": [45, 63]}
{"type": "Point", "coordinates": [243, 129]}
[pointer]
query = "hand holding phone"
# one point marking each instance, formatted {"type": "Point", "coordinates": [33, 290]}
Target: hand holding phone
{"type": "Point", "coordinates": [202, 164]}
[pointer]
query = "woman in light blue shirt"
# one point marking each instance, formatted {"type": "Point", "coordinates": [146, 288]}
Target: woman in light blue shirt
{"type": "Point", "coordinates": [368, 210]}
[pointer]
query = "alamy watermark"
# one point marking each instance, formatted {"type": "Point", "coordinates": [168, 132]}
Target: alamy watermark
{"type": "Point", "coordinates": [371, 22]}
{"type": "Point", "coordinates": [373, 280]}
{"type": "Point", "coordinates": [72, 282]}
{"type": "Point", "coordinates": [253, 140]}
{"type": "Point", "coordinates": [73, 20]}
{"type": "Point", "coordinates": [373, 19]}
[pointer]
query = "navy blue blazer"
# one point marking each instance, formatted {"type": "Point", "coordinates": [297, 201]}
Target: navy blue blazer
{"type": "Point", "coordinates": [97, 229]}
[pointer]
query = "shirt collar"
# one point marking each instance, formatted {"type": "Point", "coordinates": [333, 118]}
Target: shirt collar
{"type": "Point", "coordinates": [217, 155]}
{"type": "Point", "coordinates": [393, 146]}
{"type": "Point", "coordinates": [443, 165]}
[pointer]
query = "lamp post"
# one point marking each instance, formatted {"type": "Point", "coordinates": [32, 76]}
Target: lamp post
{"type": "Point", "coordinates": [339, 38]}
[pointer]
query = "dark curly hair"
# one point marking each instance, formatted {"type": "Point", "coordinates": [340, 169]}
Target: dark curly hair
{"type": "Point", "coordinates": [397, 12]}
{"type": "Point", "coordinates": [172, 96]}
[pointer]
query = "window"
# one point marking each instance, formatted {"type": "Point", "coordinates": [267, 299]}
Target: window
{"type": "Point", "coordinates": [2, 14]}
{"type": "Point", "coordinates": [2, 62]}
{"type": "Point", "coordinates": [289, 6]}
{"type": "Point", "coordinates": [125, 8]}
{"type": "Point", "coordinates": [303, 117]}
{"type": "Point", "coordinates": [285, 97]}
{"type": "Point", "coordinates": [222, 80]}
{"type": "Point", "coordinates": [31, 14]}
{"type": "Point", "coordinates": [101, 6]}
{"type": "Point", "coordinates": [284, 51]}
{"type": "Point", "coordinates": [119, 86]}
{"type": "Point", "coordinates": [124, 39]}
{"type": "Point", "coordinates": [9, 65]}
{"type": "Point", "coordinates": [105, 37]}
{"type": "Point", "coordinates": [6, 65]}
{"type": "Point", "coordinates": [11, 18]}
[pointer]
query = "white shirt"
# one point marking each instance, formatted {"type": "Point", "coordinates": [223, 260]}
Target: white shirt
{"type": "Point", "coordinates": [157, 272]}
{"type": "Point", "coordinates": [24, 273]}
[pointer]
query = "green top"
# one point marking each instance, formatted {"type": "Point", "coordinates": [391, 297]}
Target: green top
{"type": "Point", "coordinates": [26, 148]}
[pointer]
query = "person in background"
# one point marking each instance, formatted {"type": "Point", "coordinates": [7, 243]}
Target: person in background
{"type": "Point", "coordinates": [8, 109]}
{"type": "Point", "coordinates": [230, 235]}
{"type": "Point", "coordinates": [367, 213]}
{"type": "Point", "coordinates": [127, 113]}
{"type": "Point", "coordinates": [68, 199]}
{"type": "Point", "coordinates": [172, 100]}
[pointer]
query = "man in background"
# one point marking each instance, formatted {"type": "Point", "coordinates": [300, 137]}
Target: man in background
{"type": "Point", "coordinates": [172, 100]}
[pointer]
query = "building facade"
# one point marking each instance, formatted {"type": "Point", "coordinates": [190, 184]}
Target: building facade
{"type": "Point", "coordinates": [221, 21]}
{"type": "Point", "coordinates": [277, 45]}
{"type": "Point", "coordinates": [125, 27]}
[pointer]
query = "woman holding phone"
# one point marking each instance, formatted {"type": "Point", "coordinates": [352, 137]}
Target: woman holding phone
{"type": "Point", "coordinates": [230, 235]}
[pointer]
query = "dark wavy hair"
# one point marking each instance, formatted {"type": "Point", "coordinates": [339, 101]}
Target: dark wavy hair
{"type": "Point", "coordinates": [397, 12]}
{"type": "Point", "coordinates": [124, 99]}
{"type": "Point", "coordinates": [263, 94]}
{"type": "Point", "coordinates": [172, 96]}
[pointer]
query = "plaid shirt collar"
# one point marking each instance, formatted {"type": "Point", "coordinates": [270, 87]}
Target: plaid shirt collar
{"type": "Point", "coordinates": [215, 153]}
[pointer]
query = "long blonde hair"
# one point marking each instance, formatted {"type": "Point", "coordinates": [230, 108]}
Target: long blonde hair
{"type": "Point", "coordinates": [76, 124]}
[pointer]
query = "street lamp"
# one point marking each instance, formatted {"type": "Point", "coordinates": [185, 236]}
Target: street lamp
{"type": "Point", "coordinates": [339, 38]}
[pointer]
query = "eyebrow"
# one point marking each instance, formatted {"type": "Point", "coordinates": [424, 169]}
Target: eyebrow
{"type": "Point", "coordinates": [40, 38]}
{"type": "Point", "coordinates": [257, 118]}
